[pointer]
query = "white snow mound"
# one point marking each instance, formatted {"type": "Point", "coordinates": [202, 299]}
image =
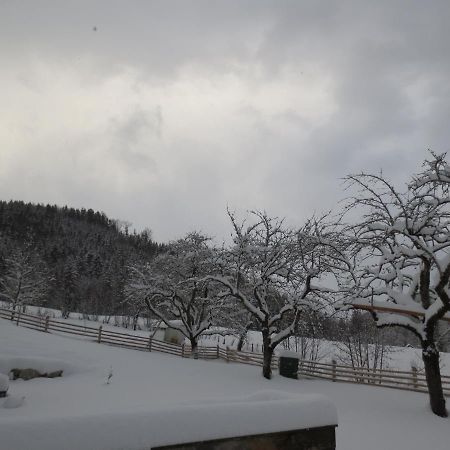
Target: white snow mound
{"type": "Point", "coordinates": [13, 401]}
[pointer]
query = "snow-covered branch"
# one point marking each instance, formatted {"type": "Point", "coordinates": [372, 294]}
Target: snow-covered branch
{"type": "Point", "coordinates": [401, 246]}
{"type": "Point", "coordinates": [174, 286]}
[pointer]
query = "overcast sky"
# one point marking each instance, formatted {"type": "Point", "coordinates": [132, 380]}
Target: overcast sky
{"type": "Point", "coordinates": [162, 113]}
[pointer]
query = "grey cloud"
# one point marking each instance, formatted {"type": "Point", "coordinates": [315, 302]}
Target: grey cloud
{"type": "Point", "coordinates": [387, 100]}
{"type": "Point", "coordinates": [134, 135]}
{"type": "Point", "coordinates": [160, 36]}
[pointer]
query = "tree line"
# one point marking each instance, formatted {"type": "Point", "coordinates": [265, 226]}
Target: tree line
{"type": "Point", "coordinates": [66, 258]}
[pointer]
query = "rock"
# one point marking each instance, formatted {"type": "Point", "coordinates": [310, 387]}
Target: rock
{"type": "Point", "coordinates": [56, 373]}
{"type": "Point", "coordinates": [26, 374]}
{"type": "Point", "coordinates": [29, 374]}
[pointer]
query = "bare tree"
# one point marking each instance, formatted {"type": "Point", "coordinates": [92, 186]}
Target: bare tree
{"type": "Point", "coordinates": [362, 345]}
{"type": "Point", "coordinates": [403, 248]}
{"type": "Point", "coordinates": [271, 270]}
{"type": "Point", "coordinates": [25, 280]}
{"type": "Point", "coordinates": [246, 322]}
{"type": "Point", "coordinates": [174, 286]}
{"type": "Point", "coordinates": [308, 337]}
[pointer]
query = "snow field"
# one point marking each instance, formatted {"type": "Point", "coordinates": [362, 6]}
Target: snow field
{"type": "Point", "coordinates": [155, 396]}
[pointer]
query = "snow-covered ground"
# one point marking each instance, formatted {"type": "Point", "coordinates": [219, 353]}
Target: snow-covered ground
{"type": "Point", "coordinates": [153, 395]}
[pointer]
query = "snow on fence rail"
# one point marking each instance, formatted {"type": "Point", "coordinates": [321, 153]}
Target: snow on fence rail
{"type": "Point", "coordinates": [406, 380]}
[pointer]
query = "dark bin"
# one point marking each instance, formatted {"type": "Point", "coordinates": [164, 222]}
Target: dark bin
{"type": "Point", "coordinates": [288, 367]}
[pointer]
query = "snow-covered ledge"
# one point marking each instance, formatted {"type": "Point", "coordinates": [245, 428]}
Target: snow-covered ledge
{"type": "Point", "coordinates": [265, 412]}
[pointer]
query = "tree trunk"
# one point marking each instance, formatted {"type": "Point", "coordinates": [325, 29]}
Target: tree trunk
{"type": "Point", "coordinates": [194, 348]}
{"type": "Point", "coordinates": [267, 358]}
{"type": "Point", "coordinates": [430, 356]}
{"type": "Point", "coordinates": [243, 336]}
{"type": "Point", "coordinates": [267, 363]}
{"type": "Point", "coordinates": [241, 342]}
{"type": "Point", "coordinates": [13, 312]}
{"type": "Point", "coordinates": [135, 321]}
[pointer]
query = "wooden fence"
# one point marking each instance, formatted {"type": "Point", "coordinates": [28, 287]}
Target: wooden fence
{"type": "Point", "coordinates": [412, 380]}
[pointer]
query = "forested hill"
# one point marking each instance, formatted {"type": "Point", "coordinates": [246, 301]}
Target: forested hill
{"type": "Point", "coordinates": [81, 255]}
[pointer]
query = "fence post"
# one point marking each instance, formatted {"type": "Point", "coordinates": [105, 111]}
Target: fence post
{"type": "Point", "coordinates": [47, 320]}
{"type": "Point", "coordinates": [217, 352]}
{"type": "Point", "coordinates": [99, 337]}
{"type": "Point", "coordinates": [414, 377]}
{"type": "Point", "coordinates": [182, 350]}
{"type": "Point", "coordinates": [150, 343]}
{"type": "Point", "coordinates": [228, 356]}
{"type": "Point", "coordinates": [18, 317]}
{"type": "Point", "coordinates": [333, 374]}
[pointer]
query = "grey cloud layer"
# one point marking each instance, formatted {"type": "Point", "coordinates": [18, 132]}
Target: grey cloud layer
{"type": "Point", "coordinates": [169, 111]}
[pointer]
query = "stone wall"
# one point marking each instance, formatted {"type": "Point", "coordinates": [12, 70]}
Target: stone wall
{"type": "Point", "coordinates": [321, 438]}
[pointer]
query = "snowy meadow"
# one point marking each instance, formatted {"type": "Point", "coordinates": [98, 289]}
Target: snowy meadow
{"type": "Point", "coordinates": [82, 410]}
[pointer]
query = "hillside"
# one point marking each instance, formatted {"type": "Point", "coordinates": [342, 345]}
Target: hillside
{"type": "Point", "coordinates": [81, 255]}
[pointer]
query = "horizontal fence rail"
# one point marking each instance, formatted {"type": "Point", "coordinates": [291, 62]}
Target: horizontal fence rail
{"type": "Point", "coordinates": [412, 380]}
